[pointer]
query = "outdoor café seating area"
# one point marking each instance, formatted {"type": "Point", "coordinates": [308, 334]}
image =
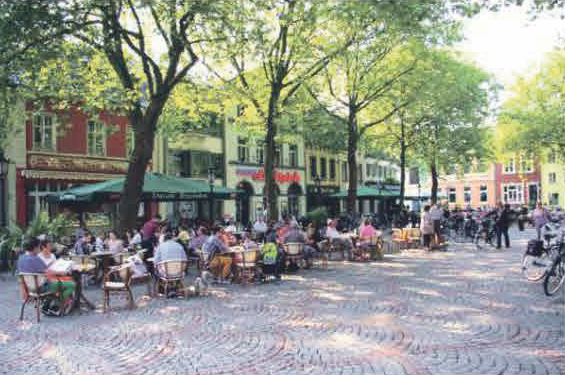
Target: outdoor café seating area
{"type": "Point", "coordinates": [94, 264]}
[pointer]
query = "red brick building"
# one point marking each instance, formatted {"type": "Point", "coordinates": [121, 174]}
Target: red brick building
{"type": "Point", "coordinates": [59, 149]}
{"type": "Point", "coordinates": [518, 181]}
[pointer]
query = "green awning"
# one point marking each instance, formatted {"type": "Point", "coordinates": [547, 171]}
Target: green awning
{"type": "Point", "coordinates": [156, 187]}
{"type": "Point", "coordinates": [368, 192]}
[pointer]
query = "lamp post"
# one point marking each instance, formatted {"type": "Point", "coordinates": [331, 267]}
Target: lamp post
{"type": "Point", "coordinates": [318, 182]}
{"type": "Point", "coordinates": [4, 164]}
{"type": "Point", "coordinates": [211, 179]}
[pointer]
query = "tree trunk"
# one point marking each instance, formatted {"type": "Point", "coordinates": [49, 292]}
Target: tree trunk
{"type": "Point", "coordinates": [352, 137]}
{"type": "Point", "coordinates": [144, 127]}
{"type": "Point", "coordinates": [270, 184]}
{"type": "Point", "coordinates": [433, 171]}
{"type": "Point", "coordinates": [402, 169]}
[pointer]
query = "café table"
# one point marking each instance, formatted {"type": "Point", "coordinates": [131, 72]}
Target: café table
{"type": "Point", "coordinates": [77, 271]}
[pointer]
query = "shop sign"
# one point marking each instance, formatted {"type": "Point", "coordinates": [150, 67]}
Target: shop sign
{"type": "Point", "coordinates": [76, 164]}
{"type": "Point", "coordinates": [259, 175]}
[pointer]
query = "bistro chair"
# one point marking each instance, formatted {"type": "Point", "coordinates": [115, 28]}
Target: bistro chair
{"type": "Point", "coordinates": [377, 245]}
{"type": "Point", "coordinates": [249, 265]}
{"type": "Point", "coordinates": [413, 237]}
{"type": "Point", "coordinates": [170, 272]}
{"type": "Point", "coordinates": [32, 283]}
{"type": "Point", "coordinates": [399, 238]}
{"type": "Point", "coordinates": [123, 273]}
{"type": "Point", "coordinates": [293, 252]}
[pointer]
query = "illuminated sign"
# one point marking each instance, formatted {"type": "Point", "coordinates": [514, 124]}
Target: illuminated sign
{"type": "Point", "coordinates": [259, 175]}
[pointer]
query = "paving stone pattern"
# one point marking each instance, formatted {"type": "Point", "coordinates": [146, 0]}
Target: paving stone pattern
{"type": "Point", "coordinates": [455, 312]}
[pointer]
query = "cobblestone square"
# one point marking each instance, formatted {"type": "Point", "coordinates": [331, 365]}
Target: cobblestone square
{"type": "Point", "coordinates": [454, 312]}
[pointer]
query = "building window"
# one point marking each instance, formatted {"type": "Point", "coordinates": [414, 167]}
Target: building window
{"type": "Point", "coordinates": [552, 177]}
{"type": "Point", "coordinates": [452, 195]}
{"type": "Point", "coordinates": [414, 176]}
{"type": "Point", "coordinates": [344, 174]}
{"type": "Point", "coordinates": [278, 156]}
{"type": "Point", "coordinates": [509, 166]}
{"type": "Point", "coordinates": [323, 169]}
{"type": "Point", "coordinates": [313, 169]}
{"type": "Point", "coordinates": [484, 193]}
{"type": "Point", "coordinates": [96, 138]}
{"type": "Point", "coordinates": [293, 155]}
{"type": "Point", "coordinates": [242, 150]}
{"type": "Point", "coordinates": [527, 164]}
{"type": "Point", "coordinates": [552, 158]}
{"type": "Point", "coordinates": [512, 193]}
{"type": "Point", "coordinates": [554, 199]}
{"type": "Point", "coordinates": [368, 170]}
{"type": "Point", "coordinates": [43, 132]}
{"type": "Point", "coordinates": [260, 153]}
{"type": "Point", "coordinates": [332, 169]}
{"type": "Point", "coordinates": [467, 195]}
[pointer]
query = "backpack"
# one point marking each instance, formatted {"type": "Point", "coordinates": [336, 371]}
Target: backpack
{"type": "Point", "coordinates": [269, 253]}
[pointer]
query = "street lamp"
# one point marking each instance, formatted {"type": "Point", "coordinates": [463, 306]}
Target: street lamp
{"type": "Point", "coordinates": [211, 179]}
{"type": "Point", "coordinates": [318, 182]}
{"type": "Point", "coordinates": [4, 164]}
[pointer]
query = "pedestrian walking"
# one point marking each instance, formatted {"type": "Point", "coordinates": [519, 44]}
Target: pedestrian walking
{"type": "Point", "coordinates": [540, 217]}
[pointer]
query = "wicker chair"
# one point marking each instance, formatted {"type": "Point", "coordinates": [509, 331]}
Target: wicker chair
{"type": "Point", "coordinates": [32, 283]}
{"type": "Point", "coordinates": [377, 245]}
{"type": "Point", "coordinates": [170, 272]}
{"type": "Point", "coordinates": [293, 252]}
{"type": "Point", "coordinates": [118, 287]}
{"type": "Point", "coordinates": [399, 238]}
{"type": "Point", "coordinates": [414, 236]}
{"type": "Point", "coordinates": [249, 265]}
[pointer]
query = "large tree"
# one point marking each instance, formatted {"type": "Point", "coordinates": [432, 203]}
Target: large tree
{"type": "Point", "coordinates": [268, 51]}
{"type": "Point", "coordinates": [388, 39]}
{"type": "Point", "coordinates": [148, 45]}
{"type": "Point", "coordinates": [533, 118]}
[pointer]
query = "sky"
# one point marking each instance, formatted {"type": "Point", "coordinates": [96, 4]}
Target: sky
{"type": "Point", "coordinates": [508, 43]}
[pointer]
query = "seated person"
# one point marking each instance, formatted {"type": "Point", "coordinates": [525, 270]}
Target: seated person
{"type": "Point", "coordinates": [113, 243]}
{"type": "Point", "coordinates": [365, 234]}
{"type": "Point", "coordinates": [184, 236]}
{"type": "Point", "coordinates": [168, 250]}
{"type": "Point", "coordinates": [62, 284]}
{"type": "Point", "coordinates": [260, 228]}
{"type": "Point", "coordinates": [272, 259]}
{"type": "Point", "coordinates": [197, 241]}
{"type": "Point", "coordinates": [82, 245]}
{"type": "Point", "coordinates": [337, 239]}
{"type": "Point", "coordinates": [212, 251]}
{"type": "Point", "coordinates": [248, 243]}
{"type": "Point", "coordinates": [228, 238]}
{"type": "Point", "coordinates": [46, 248]}
{"type": "Point", "coordinates": [295, 235]}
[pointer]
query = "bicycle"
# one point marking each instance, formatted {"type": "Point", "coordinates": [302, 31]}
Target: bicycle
{"type": "Point", "coordinates": [538, 258]}
{"type": "Point", "coordinates": [485, 235]}
{"type": "Point", "coordinates": [555, 277]}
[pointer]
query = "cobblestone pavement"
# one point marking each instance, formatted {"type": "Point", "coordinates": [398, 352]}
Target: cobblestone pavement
{"type": "Point", "coordinates": [455, 312]}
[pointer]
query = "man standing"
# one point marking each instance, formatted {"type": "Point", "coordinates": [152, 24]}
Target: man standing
{"type": "Point", "coordinates": [149, 227]}
{"type": "Point", "coordinates": [502, 225]}
{"type": "Point", "coordinates": [260, 228]}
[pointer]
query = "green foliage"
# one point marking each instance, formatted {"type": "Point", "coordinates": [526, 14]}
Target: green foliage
{"type": "Point", "coordinates": [533, 119]}
{"type": "Point", "coordinates": [319, 216]}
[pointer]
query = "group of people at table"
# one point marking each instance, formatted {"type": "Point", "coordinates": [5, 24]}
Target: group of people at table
{"type": "Point", "coordinates": [213, 247]}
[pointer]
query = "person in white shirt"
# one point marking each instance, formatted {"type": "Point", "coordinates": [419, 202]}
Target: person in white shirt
{"type": "Point", "coordinates": [45, 251]}
{"type": "Point", "coordinates": [337, 239]}
{"type": "Point", "coordinates": [115, 245]}
{"type": "Point", "coordinates": [427, 227]}
{"type": "Point", "coordinates": [260, 228]}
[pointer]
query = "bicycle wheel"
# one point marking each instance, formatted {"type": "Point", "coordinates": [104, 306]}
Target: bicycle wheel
{"type": "Point", "coordinates": [555, 277]}
{"type": "Point", "coordinates": [535, 268]}
{"type": "Point", "coordinates": [480, 240]}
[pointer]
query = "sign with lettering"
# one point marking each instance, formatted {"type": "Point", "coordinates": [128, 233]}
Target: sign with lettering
{"type": "Point", "coordinates": [76, 164]}
{"type": "Point", "coordinates": [259, 175]}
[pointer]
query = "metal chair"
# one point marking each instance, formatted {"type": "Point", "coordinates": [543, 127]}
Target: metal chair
{"type": "Point", "coordinates": [414, 236]}
{"type": "Point", "coordinates": [118, 287]}
{"type": "Point", "coordinates": [31, 283]}
{"type": "Point", "coordinates": [170, 272]}
{"type": "Point", "coordinates": [249, 265]}
{"type": "Point", "coordinates": [293, 252]}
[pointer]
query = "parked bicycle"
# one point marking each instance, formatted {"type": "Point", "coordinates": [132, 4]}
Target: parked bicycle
{"type": "Point", "coordinates": [539, 255]}
{"type": "Point", "coordinates": [555, 274]}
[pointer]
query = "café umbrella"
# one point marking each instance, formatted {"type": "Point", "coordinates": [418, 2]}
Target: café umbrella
{"type": "Point", "coordinates": [157, 188]}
